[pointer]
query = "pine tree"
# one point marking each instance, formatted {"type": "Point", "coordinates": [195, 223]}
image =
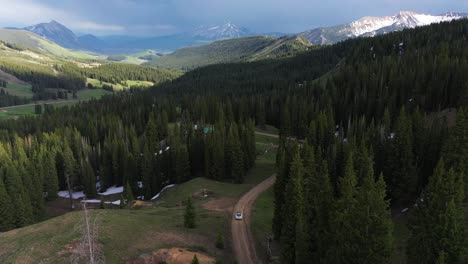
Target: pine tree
{"type": "Point", "coordinates": [151, 135]}
{"type": "Point", "coordinates": [278, 189]}
{"type": "Point", "coordinates": [6, 210]}
{"type": "Point", "coordinates": [147, 172]}
{"type": "Point", "coordinates": [69, 167]}
{"type": "Point", "coordinates": [89, 179]}
{"type": "Point", "coordinates": [318, 199]}
{"type": "Point", "coordinates": [438, 221]}
{"type": "Point", "coordinates": [343, 226]}
{"type": "Point", "coordinates": [455, 149]}
{"type": "Point", "coordinates": [190, 215]}
{"type": "Point", "coordinates": [291, 236]}
{"type": "Point", "coordinates": [237, 162]}
{"type": "Point", "coordinates": [401, 171]}
{"type": "Point", "coordinates": [50, 176]}
{"type": "Point", "coordinates": [22, 210]}
{"type": "Point", "coordinates": [195, 259]}
{"type": "Point", "coordinates": [441, 258]}
{"type": "Point", "coordinates": [219, 241]}
{"type": "Point", "coordinates": [182, 164]}
{"type": "Point", "coordinates": [122, 203]}
{"type": "Point", "coordinates": [375, 240]}
{"type": "Point", "coordinates": [102, 204]}
{"type": "Point", "coordinates": [128, 194]}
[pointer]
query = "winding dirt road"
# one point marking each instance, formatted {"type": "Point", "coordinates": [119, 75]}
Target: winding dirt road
{"type": "Point", "coordinates": [242, 239]}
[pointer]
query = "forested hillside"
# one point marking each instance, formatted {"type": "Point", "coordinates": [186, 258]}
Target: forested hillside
{"type": "Point", "coordinates": [233, 50]}
{"type": "Point", "coordinates": [375, 118]}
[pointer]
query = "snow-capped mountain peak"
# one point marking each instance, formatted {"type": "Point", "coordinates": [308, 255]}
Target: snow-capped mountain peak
{"type": "Point", "coordinates": [227, 30]}
{"type": "Point", "coordinates": [371, 26]}
{"type": "Point", "coordinates": [403, 19]}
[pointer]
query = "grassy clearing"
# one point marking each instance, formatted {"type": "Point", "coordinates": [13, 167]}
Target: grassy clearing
{"type": "Point", "coordinates": [16, 112]}
{"type": "Point", "coordinates": [29, 109]}
{"type": "Point", "coordinates": [118, 87]}
{"type": "Point", "coordinates": [266, 147]}
{"type": "Point", "coordinates": [21, 90]}
{"type": "Point", "coordinates": [88, 94]}
{"type": "Point", "coordinates": [263, 168]}
{"type": "Point", "coordinates": [124, 234]}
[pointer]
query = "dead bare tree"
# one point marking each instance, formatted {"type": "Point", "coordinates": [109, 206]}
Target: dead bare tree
{"type": "Point", "coordinates": [88, 250]}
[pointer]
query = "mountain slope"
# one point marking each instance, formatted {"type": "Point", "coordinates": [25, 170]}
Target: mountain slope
{"type": "Point", "coordinates": [29, 40]}
{"type": "Point", "coordinates": [372, 26]}
{"type": "Point", "coordinates": [233, 50]}
{"type": "Point", "coordinates": [57, 33]}
{"type": "Point", "coordinates": [216, 32]}
{"type": "Point", "coordinates": [197, 37]}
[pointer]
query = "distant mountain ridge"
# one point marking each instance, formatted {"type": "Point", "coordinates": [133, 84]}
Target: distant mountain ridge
{"type": "Point", "coordinates": [364, 27]}
{"type": "Point", "coordinates": [372, 26]}
{"type": "Point", "coordinates": [60, 34]}
{"type": "Point", "coordinates": [57, 33]}
{"type": "Point", "coordinates": [216, 32]}
{"type": "Point", "coordinates": [244, 49]}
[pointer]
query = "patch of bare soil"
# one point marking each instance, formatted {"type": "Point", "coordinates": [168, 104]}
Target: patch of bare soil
{"type": "Point", "coordinates": [70, 248]}
{"type": "Point", "coordinates": [141, 204]}
{"type": "Point", "coordinates": [172, 256]}
{"type": "Point", "coordinates": [221, 204]}
{"type": "Point", "coordinates": [150, 240]}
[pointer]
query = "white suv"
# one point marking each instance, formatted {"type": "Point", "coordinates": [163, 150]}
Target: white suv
{"type": "Point", "coordinates": [238, 216]}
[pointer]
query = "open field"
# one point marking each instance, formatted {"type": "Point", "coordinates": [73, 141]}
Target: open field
{"type": "Point", "coordinates": [124, 235]}
{"type": "Point", "coordinates": [13, 112]}
{"type": "Point", "coordinates": [21, 90]}
{"type": "Point", "coordinates": [118, 87]}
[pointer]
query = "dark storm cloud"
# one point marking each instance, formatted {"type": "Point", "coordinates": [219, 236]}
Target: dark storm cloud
{"type": "Point", "coordinates": [158, 17]}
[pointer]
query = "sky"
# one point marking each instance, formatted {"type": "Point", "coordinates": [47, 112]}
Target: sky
{"type": "Point", "coordinates": [164, 17]}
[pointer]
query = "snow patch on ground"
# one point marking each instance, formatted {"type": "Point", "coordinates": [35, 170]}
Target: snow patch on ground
{"type": "Point", "coordinates": [167, 187]}
{"type": "Point", "coordinates": [91, 201]}
{"type": "Point", "coordinates": [113, 190]}
{"type": "Point", "coordinates": [114, 202]}
{"type": "Point", "coordinates": [75, 195]}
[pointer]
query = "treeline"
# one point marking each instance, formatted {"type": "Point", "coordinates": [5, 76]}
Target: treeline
{"type": "Point", "coordinates": [42, 77]}
{"type": "Point", "coordinates": [71, 78]}
{"type": "Point", "coordinates": [7, 99]}
{"type": "Point", "coordinates": [143, 154]}
{"type": "Point", "coordinates": [119, 72]}
{"type": "Point", "coordinates": [331, 206]}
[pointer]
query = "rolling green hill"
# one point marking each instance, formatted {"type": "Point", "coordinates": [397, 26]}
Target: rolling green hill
{"type": "Point", "coordinates": [233, 50]}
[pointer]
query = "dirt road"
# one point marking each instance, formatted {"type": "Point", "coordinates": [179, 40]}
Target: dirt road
{"type": "Point", "coordinates": [267, 134]}
{"type": "Point", "coordinates": [242, 239]}
{"type": "Point", "coordinates": [41, 103]}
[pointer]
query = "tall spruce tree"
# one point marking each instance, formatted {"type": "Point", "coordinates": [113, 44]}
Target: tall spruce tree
{"type": "Point", "coordinates": [50, 176]}
{"type": "Point", "coordinates": [6, 217]}
{"type": "Point", "coordinates": [375, 238]}
{"type": "Point", "coordinates": [401, 172]}
{"type": "Point", "coordinates": [438, 219]}
{"type": "Point", "coordinates": [343, 225]}
{"type": "Point", "coordinates": [190, 214]}
{"type": "Point", "coordinates": [292, 232]}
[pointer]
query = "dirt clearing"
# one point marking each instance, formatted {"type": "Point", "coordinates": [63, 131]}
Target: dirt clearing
{"type": "Point", "coordinates": [172, 256]}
